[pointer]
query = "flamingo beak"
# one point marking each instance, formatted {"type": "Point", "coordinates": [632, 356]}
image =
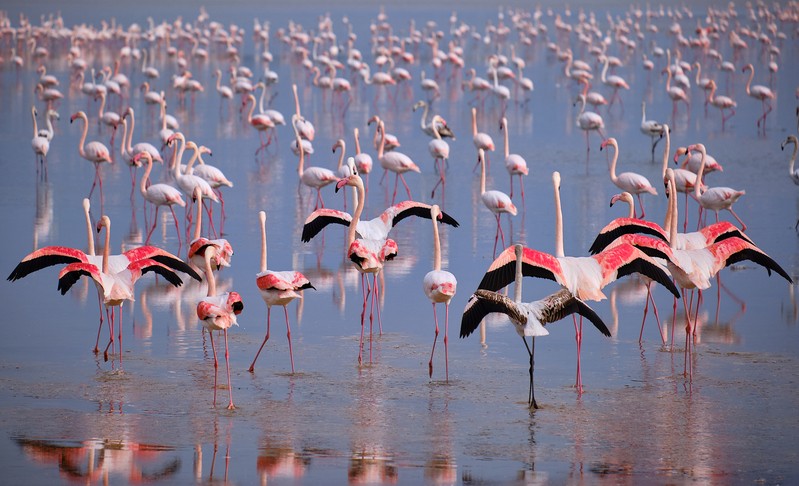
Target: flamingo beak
{"type": "Point", "coordinates": [341, 183]}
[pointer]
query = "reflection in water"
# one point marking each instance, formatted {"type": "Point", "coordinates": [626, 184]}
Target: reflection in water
{"type": "Point", "coordinates": [103, 461]}
{"type": "Point", "coordinates": [370, 460]}
{"type": "Point", "coordinates": [441, 468]}
{"type": "Point", "coordinates": [198, 453]}
{"type": "Point", "coordinates": [43, 221]}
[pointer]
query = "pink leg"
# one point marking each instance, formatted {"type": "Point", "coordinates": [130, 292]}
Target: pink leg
{"type": "Point", "coordinates": [578, 337]}
{"type": "Point", "coordinates": [97, 343]}
{"type": "Point", "coordinates": [288, 335]}
{"type": "Point", "coordinates": [155, 222]}
{"type": "Point", "coordinates": [365, 292]}
{"type": "Point", "coordinates": [396, 180]}
{"type": "Point", "coordinates": [435, 338]}
{"type": "Point", "coordinates": [230, 405]}
{"type": "Point", "coordinates": [175, 219]}
{"type": "Point", "coordinates": [407, 189]}
{"type": "Point", "coordinates": [216, 363]}
{"type": "Point", "coordinates": [446, 341]}
{"type": "Point", "coordinates": [266, 337]}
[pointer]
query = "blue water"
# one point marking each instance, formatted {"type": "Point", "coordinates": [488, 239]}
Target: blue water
{"type": "Point", "coordinates": [68, 415]}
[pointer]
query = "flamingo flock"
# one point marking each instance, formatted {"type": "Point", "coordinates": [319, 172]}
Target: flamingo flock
{"type": "Point", "coordinates": [380, 88]}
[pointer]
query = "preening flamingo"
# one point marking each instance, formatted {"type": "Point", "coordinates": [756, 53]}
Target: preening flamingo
{"type": "Point", "coordinates": [693, 159]}
{"type": "Point", "coordinates": [277, 288]}
{"type": "Point", "coordinates": [218, 313]}
{"type": "Point", "coordinates": [444, 131]}
{"type": "Point", "coordinates": [199, 244]}
{"type": "Point", "coordinates": [158, 195]}
{"type": "Point", "coordinates": [439, 286]}
{"type": "Point", "coordinates": [631, 182]}
{"type": "Point", "coordinates": [95, 152]}
{"type": "Point", "coordinates": [528, 318]}
{"type": "Point", "coordinates": [514, 163]}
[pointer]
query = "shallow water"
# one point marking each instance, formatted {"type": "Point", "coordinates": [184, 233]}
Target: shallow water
{"type": "Point", "coordinates": [68, 415]}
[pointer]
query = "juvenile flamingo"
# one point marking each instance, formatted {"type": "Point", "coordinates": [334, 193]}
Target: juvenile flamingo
{"type": "Point", "coordinates": [277, 288]}
{"type": "Point", "coordinates": [439, 286]}
{"type": "Point", "coordinates": [218, 313]}
{"type": "Point", "coordinates": [95, 152]}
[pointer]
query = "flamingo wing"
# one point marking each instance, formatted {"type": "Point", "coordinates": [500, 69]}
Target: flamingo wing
{"type": "Point", "coordinates": [163, 257]}
{"type": "Point", "coordinates": [563, 303]}
{"type": "Point", "coordinates": [484, 302]}
{"type": "Point", "coordinates": [622, 226]}
{"type": "Point", "coordinates": [722, 230]}
{"type": "Point", "coordinates": [46, 257]}
{"type": "Point", "coordinates": [400, 211]}
{"type": "Point", "coordinates": [534, 264]}
{"type": "Point", "coordinates": [320, 218]}
{"type": "Point", "coordinates": [74, 271]}
{"type": "Point", "coordinates": [140, 267]}
{"type": "Point", "coordinates": [626, 259]}
{"type": "Point", "coordinates": [733, 250]}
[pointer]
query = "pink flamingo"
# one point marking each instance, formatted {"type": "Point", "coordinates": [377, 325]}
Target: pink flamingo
{"type": "Point", "coordinates": [514, 163]}
{"type": "Point", "coordinates": [218, 313]}
{"type": "Point", "coordinates": [715, 198]}
{"type": "Point", "coordinates": [588, 121]}
{"type": "Point", "coordinates": [95, 152]}
{"type": "Point", "coordinates": [260, 122]}
{"type": "Point", "coordinates": [394, 161]}
{"type": "Point", "coordinates": [313, 177]}
{"type": "Point", "coordinates": [631, 182]}
{"type": "Point", "coordinates": [761, 93]}
{"type": "Point", "coordinates": [439, 286]}
{"type": "Point", "coordinates": [613, 81]}
{"type": "Point", "coordinates": [277, 288]}
{"type": "Point", "coordinates": [496, 201]}
{"type": "Point", "coordinates": [158, 194]}
{"type": "Point", "coordinates": [481, 140]}
{"type": "Point", "coordinates": [439, 149]}
{"type": "Point", "coordinates": [722, 103]}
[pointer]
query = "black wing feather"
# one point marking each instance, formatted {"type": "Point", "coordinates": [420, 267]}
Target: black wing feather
{"type": "Point", "coordinates": [312, 228]}
{"type": "Point", "coordinates": [651, 270]}
{"type": "Point", "coordinates": [604, 239]}
{"type": "Point", "coordinates": [26, 267]}
{"type": "Point", "coordinates": [177, 264]}
{"type": "Point", "coordinates": [759, 258]}
{"type": "Point", "coordinates": [482, 303]}
{"type": "Point", "coordinates": [168, 274]}
{"type": "Point", "coordinates": [68, 280]}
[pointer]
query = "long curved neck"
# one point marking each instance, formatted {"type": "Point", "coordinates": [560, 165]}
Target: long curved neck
{"type": "Point", "coordinates": [356, 216]}
{"type": "Point", "coordinates": [261, 98]}
{"type": "Point", "coordinates": [436, 246]}
{"type": "Point", "coordinates": [193, 159]}
{"type": "Point", "coordinates": [130, 132]}
{"type": "Point", "coordinates": [343, 146]}
{"type": "Point", "coordinates": [666, 150]}
{"type": "Point", "coordinates": [49, 120]}
{"type": "Point", "coordinates": [517, 287]}
{"type": "Point", "coordinates": [613, 162]}
{"type": "Point", "coordinates": [672, 228]}
{"type": "Point", "coordinates": [251, 99]}
{"type": "Point", "coordinates": [382, 146]}
{"type": "Point", "coordinates": [558, 225]}
{"type": "Point", "coordinates": [482, 158]}
{"type": "Point", "coordinates": [163, 114]}
{"type": "Point", "coordinates": [643, 112]}
{"type": "Point", "coordinates": [83, 135]}
{"type": "Point", "coordinates": [209, 271]}
{"type": "Point", "coordinates": [668, 78]}
{"type": "Point", "coordinates": [146, 176]}
{"type": "Point", "coordinates": [751, 77]}
{"type": "Point", "coordinates": [107, 246]}
{"type": "Point", "coordinates": [35, 126]}
{"type": "Point", "coordinates": [504, 127]}
{"type": "Point", "coordinates": [568, 66]}
{"type": "Point", "coordinates": [582, 105]}
{"type": "Point", "coordinates": [605, 70]}
{"type": "Point", "coordinates": [712, 96]}
{"type": "Point", "coordinates": [102, 104]}
{"type": "Point", "coordinates": [178, 155]}
{"type": "Point", "coordinates": [296, 100]}
{"type": "Point", "coordinates": [423, 122]}
{"type": "Point", "coordinates": [474, 122]}
{"type": "Point", "coordinates": [218, 80]}
{"type": "Point", "coordinates": [699, 172]}
{"type": "Point", "coordinates": [357, 142]}
{"type": "Point", "coordinates": [793, 158]}
{"type": "Point", "coordinates": [263, 243]}
{"type": "Point", "coordinates": [698, 71]}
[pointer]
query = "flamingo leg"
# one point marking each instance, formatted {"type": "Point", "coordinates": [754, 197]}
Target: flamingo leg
{"type": "Point", "coordinates": [216, 363]}
{"type": "Point", "coordinates": [230, 405]}
{"type": "Point", "coordinates": [266, 337]}
{"type": "Point", "coordinates": [175, 219]}
{"type": "Point", "coordinates": [371, 313]}
{"type": "Point", "coordinates": [407, 189]}
{"type": "Point", "coordinates": [435, 338]}
{"type": "Point", "coordinates": [155, 222]}
{"type": "Point", "coordinates": [578, 336]}
{"type": "Point", "coordinates": [288, 336]}
{"type": "Point", "coordinates": [446, 341]}
{"type": "Point", "coordinates": [97, 343]}
{"type": "Point", "coordinates": [365, 292]}
{"type": "Point", "coordinates": [531, 351]}
{"type": "Point", "coordinates": [743, 226]}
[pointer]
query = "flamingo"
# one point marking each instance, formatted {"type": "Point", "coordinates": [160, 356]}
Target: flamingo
{"type": "Point", "coordinates": [150, 97]}
{"type": "Point", "coordinates": [584, 277]}
{"type": "Point", "coordinates": [166, 131]}
{"type": "Point", "coordinates": [306, 128]}
{"type": "Point", "coordinates": [588, 121]}
{"type": "Point", "coordinates": [631, 182]}
{"type": "Point", "coordinates": [715, 198]}
{"type": "Point", "coordinates": [392, 141]}
{"type": "Point", "coordinates": [594, 98]}
{"type": "Point", "coordinates": [430, 129]}
{"type": "Point", "coordinates": [692, 161]}
{"type": "Point", "coordinates": [651, 128]}
{"type": "Point", "coordinates": [115, 287]}
{"type": "Point", "coordinates": [367, 254]}
{"type": "Point", "coordinates": [129, 150]}
{"type": "Point", "coordinates": [439, 150]}
{"type": "Point", "coordinates": [514, 163]}
{"type": "Point", "coordinates": [213, 175]}
{"type": "Point", "coordinates": [722, 103]}
{"type": "Point", "coordinates": [199, 244]}
{"type": "Point", "coordinates": [40, 145]}
{"type": "Point", "coordinates": [481, 140]}
{"type": "Point", "coordinates": [48, 132]}
{"type": "Point", "coordinates": [225, 92]}
{"type": "Point", "coordinates": [218, 313]}
{"type": "Point", "coordinates": [613, 81]}
{"type": "Point", "coordinates": [260, 122]}
{"type": "Point", "coordinates": [95, 152]}
{"type": "Point", "coordinates": [791, 170]}
{"type": "Point", "coordinates": [277, 288]}
{"type": "Point", "coordinates": [313, 177]}
{"type": "Point", "coordinates": [684, 179]}
{"type": "Point", "coordinates": [496, 201]}
{"type": "Point", "coordinates": [528, 318]}
{"type": "Point", "coordinates": [362, 160]}
{"type": "Point", "coordinates": [158, 194]}
{"type": "Point", "coordinates": [439, 286]}
{"type": "Point", "coordinates": [108, 118]}
{"type": "Point", "coordinates": [675, 93]}
{"type": "Point", "coordinates": [394, 161]}
{"type": "Point", "coordinates": [761, 93]}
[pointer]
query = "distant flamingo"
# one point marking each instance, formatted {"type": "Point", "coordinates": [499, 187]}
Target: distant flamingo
{"type": "Point", "coordinates": [684, 179]}
{"type": "Point", "coordinates": [613, 81]}
{"type": "Point", "coordinates": [439, 286]}
{"type": "Point", "coordinates": [761, 93]}
{"type": "Point", "coordinates": [391, 142]}
{"type": "Point", "coordinates": [260, 122]}
{"type": "Point", "coordinates": [675, 93]}
{"type": "Point", "coordinates": [588, 121]}
{"type": "Point", "coordinates": [305, 127]}
{"type": "Point", "coordinates": [394, 161]}
{"type": "Point", "coordinates": [631, 182]}
{"type": "Point", "coordinates": [481, 140]}
{"type": "Point", "coordinates": [277, 288]}
{"type": "Point", "coordinates": [218, 313]}
{"type": "Point", "coordinates": [514, 163]}
{"type": "Point", "coordinates": [722, 103]}
{"type": "Point", "coordinates": [313, 177]}
{"type": "Point", "coordinates": [444, 131]}
{"type": "Point", "coordinates": [791, 167]}
{"type": "Point", "coordinates": [362, 160]}
{"type": "Point", "coordinates": [651, 128]}
{"type": "Point", "coordinates": [158, 195]}
{"type": "Point", "coordinates": [199, 244]}
{"type": "Point", "coordinates": [95, 152]}
{"type": "Point", "coordinates": [715, 198]}
{"type": "Point", "coordinates": [439, 150]}
{"type": "Point", "coordinates": [108, 118]}
{"type": "Point", "coordinates": [496, 201]}
{"type": "Point", "coordinates": [40, 145]}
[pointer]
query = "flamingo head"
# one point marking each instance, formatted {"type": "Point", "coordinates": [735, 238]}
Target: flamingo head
{"type": "Point", "coordinates": [137, 158]}
{"type": "Point", "coordinates": [235, 302]}
{"type": "Point", "coordinates": [680, 151]}
{"type": "Point", "coordinates": [608, 141]}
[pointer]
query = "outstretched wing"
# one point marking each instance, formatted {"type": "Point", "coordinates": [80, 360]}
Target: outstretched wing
{"type": "Point", "coordinates": [400, 211]}
{"type": "Point", "coordinates": [733, 250]}
{"type": "Point", "coordinates": [623, 226]}
{"type": "Point", "coordinates": [563, 303]}
{"type": "Point", "coordinates": [626, 259]}
{"type": "Point", "coordinates": [163, 257]}
{"type": "Point", "coordinates": [320, 218]}
{"type": "Point", "coordinates": [534, 264]}
{"type": "Point", "coordinates": [46, 257]}
{"type": "Point", "coordinates": [484, 302]}
{"type": "Point", "coordinates": [74, 271]}
{"type": "Point", "coordinates": [140, 267]}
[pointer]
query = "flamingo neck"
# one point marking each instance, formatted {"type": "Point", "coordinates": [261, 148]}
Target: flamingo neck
{"type": "Point", "coordinates": [382, 146]}
{"type": "Point", "coordinates": [698, 71]}
{"type": "Point", "coordinates": [793, 158]}
{"type": "Point", "coordinates": [559, 253]}
{"type": "Point", "coordinates": [177, 155]}
{"type": "Point", "coordinates": [699, 172]}
{"type": "Point", "coordinates": [567, 68]}
{"type": "Point", "coordinates": [582, 105]}
{"type": "Point", "coordinates": [106, 247]}
{"type": "Point", "coordinates": [356, 216]}
{"type": "Point", "coordinates": [343, 146]}
{"type": "Point", "coordinates": [666, 150]}
{"type": "Point", "coordinates": [261, 98]}
{"type": "Point", "coordinates": [218, 80]}
{"type": "Point", "coordinates": [209, 272]}
{"type": "Point", "coordinates": [89, 234]}
{"type": "Point", "coordinates": [301, 168]}
{"type": "Point", "coordinates": [35, 126]}
{"type": "Point", "coordinates": [163, 114]}
{"type": "Point", "coordinates": [643, 113]}
{"type": "Point", "coordinates": [146, 176]}
{"type": "Point", "coordinates": [252, 109]}
{"type": "Point", "coordinates": [199, 217]}
{"type": "Point", "coordinates": [357, 143]}
{"type": "Point", "coordinates": [613, 161]}
{"type": "Point", "coordinates": [263, 242]}
{"type": "Point", "coordinates": [671, 215]}
{"type": "Point", "coordinates": [193, 159]}
{"type": "Point", "coordinates": [424, 117]}
{"type": "Point", "coordinates": [751, 77]}
{"type": "Point", "coordinates": [81, 151]}
{"type": "Point", "coordinates": [517, 288]}
{"type": "Point", "coordinates": [474, 122]}
{"type": "Point", "coordinates": [129, 141]}
{"type": "Point", "coordinates": [605, 70]}
{"type": "Point", "coordinates": [482, 158]}
{"type": "Point", "coordinates": [102, 105]}
{"type": "Point", "coordinates": [436, 246]}
{"type": "Point", "coordinates": [668, 78]}
{"type": "Point", "coordinates": [296, 100]}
